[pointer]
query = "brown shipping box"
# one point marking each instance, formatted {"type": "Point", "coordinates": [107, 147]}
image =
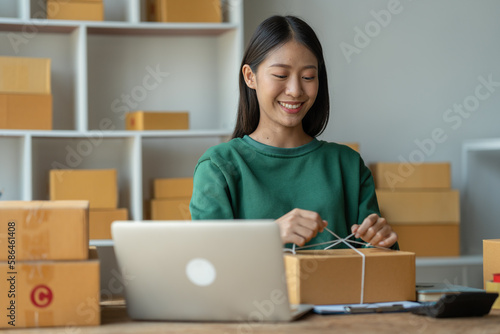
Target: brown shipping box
{"type": "Point", "coordinates": [429, 239]}
{"type": "Point", "coordinates": [173, 188]}
{"type": "Point", "coordinates": [432, 207]}
{"type": "Point", "coordinates": [98, 186]}
{"type": "Point", "coordinates": [50, 293]}
{"type": "Point", "coordinates": [44, 230]}
{"type": "Point", "coordinates": [389, 175]}
{"type": "Point", "coordinates": [149, 120]}
{"type": "Point", "coordinates": [87, 10]}
{"type": "Point", "coordinates": [100, 221]}
{"type": "Point", "coordinates": [334, 276]}
{"type": "Point", "coordinates": [25, 75]}
{"type": "Point", "coordinates": [170, 209]}
{"type": "Point", "coordinates": [185, 11]}
{"type": "Point", "coordinates": [26, 111]}
{"type": "Point", "coordinates": [491, 259]}
{"type": "Point", "coordinates": [354, 146]}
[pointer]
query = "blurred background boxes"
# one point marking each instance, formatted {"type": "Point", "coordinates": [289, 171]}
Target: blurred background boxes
{"type": "Point", "coordinates": [25, 93]}
{"type": "Point", "coordinates": [100, 222]}
{"type": "Point", "coordinates": [171, 199]}
{"type": "Point", "coordinates": [389, 175]}
{"type": "Point", "coordinates": [420, 206]}
{"type": "Point", "coordinates": [86, 10]}
{"type": "Point", "coordinates": [491, 259]}
{"type": "Point", "coordinates": [157, 120]}
{"type": "Point", "coordinates": [98, 186]}
{"type": "Point", "coordinates": [185, 11]}
{"type": "Point", "coordinates": [45, 230]}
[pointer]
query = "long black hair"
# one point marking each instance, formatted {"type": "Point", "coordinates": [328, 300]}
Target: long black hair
{"type": "Point", "coordinates": [271, 33]}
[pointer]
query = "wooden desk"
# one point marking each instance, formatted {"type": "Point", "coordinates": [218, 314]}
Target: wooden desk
{"type": "Point", "coordinates": [116, 321]}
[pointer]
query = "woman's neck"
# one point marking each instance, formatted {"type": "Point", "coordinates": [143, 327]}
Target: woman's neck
{"type": "Point", "coordinates": [287, 138]}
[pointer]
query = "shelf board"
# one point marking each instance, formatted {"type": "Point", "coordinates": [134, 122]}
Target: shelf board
{"type": "Point", "coordinates": [36, 25]}
{"type": "Point", "coordinates": [116, 28]}
{"type": "Point", "coordinates": [116, 134]}
{"type": "Point", "coordinates": [490, 144]}
{"type": "Point", "coordinates": [464, 260]}
{"type": "Point", "coordinates": [155, 28]}
{"type": "Point", "coordinates": [101, 243]}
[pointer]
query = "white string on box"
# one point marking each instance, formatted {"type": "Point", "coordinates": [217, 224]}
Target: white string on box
{"type": "Point", "coordinates": [346, 241]}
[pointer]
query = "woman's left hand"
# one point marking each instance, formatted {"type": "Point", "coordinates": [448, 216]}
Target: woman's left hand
{"type": "Point", "coordinates": [376, 231]}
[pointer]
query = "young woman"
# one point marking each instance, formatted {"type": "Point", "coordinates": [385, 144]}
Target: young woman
{"type": "Point", "coordinates": [274, 167]}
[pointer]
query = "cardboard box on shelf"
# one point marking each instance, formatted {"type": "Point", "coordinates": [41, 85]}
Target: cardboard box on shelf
{"type": "Point", "coordinates": [389, 175]}
{"type": "Point", "coordinates": [100, 221]}
{"type": "Point", "coordinates": [429, 239]}
{"type": "Point", "coordinates": [44, 230]}
{"type": "Point", "coordinates": [354, 146]}
{"type": "Point", "coordinates": [170, 209]}
{"type": "Point", "coordinates": [334, 276]}
{"type": "Point", "coordinates": [25, 111]}
{"type": "Point", "coordinates": [98, 186]}
{"type": "Point", "coordinates": [51, 293]}
{"type": "Point", "coordinates": [412, 207]}
{"type": "Point", "coordinates": [185, 11]}
{"type": "Point", "coordinates": [86, 10]}
{"type": "Point", "coordinates": [491, 259]}
{"type": "Point", "coordinates": [173, 188]}
{"type": "Point", "coordinates": [24, 75]}
{"type": "Point", "coordinates": [152, 120]}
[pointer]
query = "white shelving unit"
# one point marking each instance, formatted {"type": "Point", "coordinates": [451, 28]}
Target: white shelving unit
{"type": "Point", "coordinates": [100, 71]}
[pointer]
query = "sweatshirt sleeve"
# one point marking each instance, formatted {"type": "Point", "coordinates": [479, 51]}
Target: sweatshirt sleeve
{"type": "Point", "coordinates": [210, 199]}
{"type": "Point", "coordinates": [368, 203]}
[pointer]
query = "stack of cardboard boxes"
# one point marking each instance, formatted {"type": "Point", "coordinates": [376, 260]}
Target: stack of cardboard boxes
{"type": "Point", "coordinates": [156, 120]}
{"type": "Point", "coordinates": [25, 94]}
{"type": "Point", "coordinates": [99, 187]}
{"type": "Point", "coordinates": [185, 11]}
{"type": "Point", "coordinates": [491, 267]}
{"type": "Point", "coordinates": [87, 10]}
{"type": "Point", "coordinates": [421, 207]}
{"type": "Point", "coordinates": [171, 199]}
{"type": "Point", "coordinates": [49, 277]}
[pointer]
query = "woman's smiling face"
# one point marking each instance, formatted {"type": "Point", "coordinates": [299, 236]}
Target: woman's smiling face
{"type": "Point", "coordinates": [286, 84]}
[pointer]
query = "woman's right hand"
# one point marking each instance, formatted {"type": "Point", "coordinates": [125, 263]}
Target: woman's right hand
{"type": "Point", "coordinates": [299, 226]}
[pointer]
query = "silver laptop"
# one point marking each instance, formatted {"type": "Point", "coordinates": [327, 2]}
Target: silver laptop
{"type": "Point", "coordinates": [224, 270]}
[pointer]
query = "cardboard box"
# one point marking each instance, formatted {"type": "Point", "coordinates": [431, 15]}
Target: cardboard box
{"type": "Point", "coordinates": [26, 111]}
{"type": "Point", "coordinates": [429, 239]}
{"type": "Point", "coordinates": [406, 176]}
{"type": "Point", "coordinates": [100, 222]}
{"type": "Point", "coordinates": [334, 276]}
{"type": "Point", "coordinates": [44, 230]}
{"type": "Point", "coordinates": [185, 11]}
{"type": "Point", "coordinates": [50, 293]}
{"type": "Point", "coordinates": [87, 10]}
{"type": "Point", "coordinates": [494, 287]}
{"type": "Point", "coordinates": [416, 207]}
{"type": "Point", "coordinates": [170, 209]}
{"type": "Point", "coordinates": [491, 259]}
{"type": "Point", "coordinates": [149, 120]}
{"type": "Point", "coordinates": [98, 186]}
{"type": "Point", "coordinates": [173, 188]}
{"type": "Point", "coordinates": [25, 75]}
{"type": "Point", "coordinates": [354, 146]}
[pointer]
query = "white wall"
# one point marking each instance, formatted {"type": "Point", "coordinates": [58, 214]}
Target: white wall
{"type": "Point", "coordinates": [398, 88]}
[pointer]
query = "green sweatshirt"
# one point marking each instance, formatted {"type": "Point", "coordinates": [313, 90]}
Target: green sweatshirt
{"type": "Point", "coordinates": [245, 179]}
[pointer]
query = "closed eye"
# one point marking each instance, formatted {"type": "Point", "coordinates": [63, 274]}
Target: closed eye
{"type": "Point", "coordinates": [309, 78]}
{"type": "Point", "coordinates": [280, 76]}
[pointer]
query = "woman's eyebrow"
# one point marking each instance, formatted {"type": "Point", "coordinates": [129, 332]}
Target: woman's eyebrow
{"type": "Point", "coordinates": [289, 66]}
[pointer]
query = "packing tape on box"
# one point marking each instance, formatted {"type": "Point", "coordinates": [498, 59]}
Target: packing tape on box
{"type": "Point", "coordinates": [347, 242]}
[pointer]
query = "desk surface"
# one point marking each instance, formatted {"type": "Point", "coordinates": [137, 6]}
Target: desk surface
{"type": "Point", "coordinates": [115, 320]}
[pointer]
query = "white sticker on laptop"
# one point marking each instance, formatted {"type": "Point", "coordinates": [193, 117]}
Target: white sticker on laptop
{"type": "Point", "coordinates": [200, 272]}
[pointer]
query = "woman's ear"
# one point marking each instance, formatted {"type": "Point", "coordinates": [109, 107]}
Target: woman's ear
{"type": "Point", "coordinates": [249, 76]}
